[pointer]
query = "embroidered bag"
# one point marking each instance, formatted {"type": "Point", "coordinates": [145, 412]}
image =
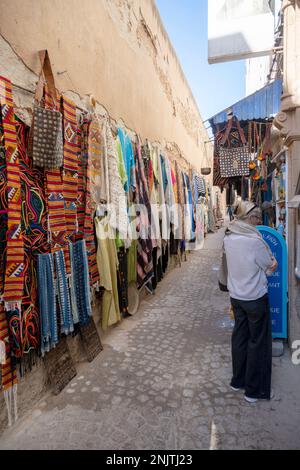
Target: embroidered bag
{"type": "Point", "coordinates": [234, 161]}
{"type": "Point", "coordinates": [46, 142]}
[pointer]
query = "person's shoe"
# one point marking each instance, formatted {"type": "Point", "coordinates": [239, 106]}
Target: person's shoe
{"type": "Point", "coordinates": [250, 400]}
{"type": "Point", "coordinates": [235, 389]}
{"type": "Point", "coordinates": [254, 400]}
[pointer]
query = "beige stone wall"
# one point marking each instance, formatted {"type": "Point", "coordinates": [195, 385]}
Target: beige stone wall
{"type": "Point", "coordinates": [116, 50]}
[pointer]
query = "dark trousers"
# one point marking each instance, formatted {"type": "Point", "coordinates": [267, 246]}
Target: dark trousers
{"type": "Point", "coordinates": [252, 347]}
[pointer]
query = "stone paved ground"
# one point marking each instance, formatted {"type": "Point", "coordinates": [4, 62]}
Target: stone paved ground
{"type": "Point", "coordinates": [162, 381]}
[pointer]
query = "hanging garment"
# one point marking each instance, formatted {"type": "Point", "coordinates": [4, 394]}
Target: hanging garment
{"type": "Point", "coordinates": [80, 288]}
{"type": "Point", "coordinates": [201, 187]}
{"type": "Point", "coordinates": [121, 163]}
{"type": "Point", "coordinates": [118, 201]}
{"type": "Point", "coordinates": [123, 281]}
{"type": "Point", "coordinates": [148, 157]}
{"type": "Point", "coordinates": [132, 262]}
{"type": "Point", "coordinates": [180, 198]}
{"type": "Point", "coordinates": [129, 161]}
{"type": "Point", "coordinates": [97, 164]}
{"type": "Point", "coordinates": [200, 226]}
{"type": "Point", "coordinates": [163, 212]}
{"type": "Point", "coordinates": [189, 223]}
{"type": "Point", "coordinates": [107, 261]}
{"type": "Point", "coordinates": [47, 302]}
{"type": "Point", "coordinates": [145, 243]}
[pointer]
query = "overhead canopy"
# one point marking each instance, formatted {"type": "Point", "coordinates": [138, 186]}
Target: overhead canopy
{"type": "Point", "coordinates": [263, 104]}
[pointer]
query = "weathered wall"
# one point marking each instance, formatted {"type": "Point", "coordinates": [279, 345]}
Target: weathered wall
{"type": "Point", "coordinates": [116, 50]}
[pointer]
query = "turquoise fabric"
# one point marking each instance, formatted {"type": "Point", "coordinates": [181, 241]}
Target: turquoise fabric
{"type": "Point", "coordinates": [129, 161]}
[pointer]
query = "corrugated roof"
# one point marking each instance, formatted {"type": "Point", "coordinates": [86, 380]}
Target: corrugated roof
{"type": "Point", "coordinates": [262, 104]}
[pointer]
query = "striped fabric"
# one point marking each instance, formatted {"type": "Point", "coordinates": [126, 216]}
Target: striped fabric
{"type": "Point", "coordinates": [70, 166]}
{"type": "Point", "coordinates": [13, 288]}
{"type": "Point", "coordinates": [57, 226]}
{"type": "Point", "coordinates": [88, 225]}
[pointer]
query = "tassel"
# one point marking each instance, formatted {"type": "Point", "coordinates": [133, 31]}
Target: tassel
{"type": "Point", "coordinates": [15, 396]}
{"type": "Point", "coordinates": [2, 353]}
{"type": "Point", "coordinates": [7, 397]}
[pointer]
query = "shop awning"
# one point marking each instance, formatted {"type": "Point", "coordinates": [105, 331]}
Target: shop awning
{"type": "Point", "coordinates": [262, 104]}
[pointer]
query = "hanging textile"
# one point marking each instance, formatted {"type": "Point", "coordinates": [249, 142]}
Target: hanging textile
{"type": "Point", "coordinates": [62, 288]}
{"type": "Point", "coordinates": [34, 228]}
{"type": "Point", "coordinates": [57, 227]}
{"type": "Point", "coordinates": [8, 373]}
{"type": "Point", "coordinates": [70, 166]}
{"type": "Point", "coordinates": [46, 142]}
{"type": "Point", "coordinates": [86, 223]}
{"type": "Point", "coordinates": [123, 280]}
{"type": "Point", "coordinates": [152, 184]}
{"type": "Point", "coordinates": [234, 162]}
{"type": "Point", "coordinates": [118, 201]}
{"type": "Point", "coordinates": [80, 289]}
{"type": "Point", "coordinates": [98, 170]}
{"type": "Point", "coordinates": [129, 162]}
{"type": "Point", "coordinates": [163, 212]}
{"type": "Point", "coordinates": [121, 163]}
{"type": "Point", "coordinates": [47, 302]}
{"type": "Point", "coordinates": [180, 199]}
{"type": "Point", "coordinates": [14, 273]}
{"type": "Point", "coordinates": [107, 261]}
{"type": "Point", "coordinates": [8, 382]}
{"type": "Point", "coordinates": [145, 243]}
{"type": "Point", "coordinates": [232, 154]}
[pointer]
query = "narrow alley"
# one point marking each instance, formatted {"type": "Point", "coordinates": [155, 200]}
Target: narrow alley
{"type": "Point", "coordinates": [162, 381]}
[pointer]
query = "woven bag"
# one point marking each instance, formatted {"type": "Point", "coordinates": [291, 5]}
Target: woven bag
{"type": "Point", "coordinates": [46, 139]}
{"type": "Point", "coordinates": [234, 161]}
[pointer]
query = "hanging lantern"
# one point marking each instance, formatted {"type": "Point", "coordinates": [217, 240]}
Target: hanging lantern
{"type": "Point", "coordinates": [206, 171]}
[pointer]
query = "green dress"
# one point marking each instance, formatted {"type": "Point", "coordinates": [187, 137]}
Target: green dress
{"type": "Point", "coordinates": [107, 262]}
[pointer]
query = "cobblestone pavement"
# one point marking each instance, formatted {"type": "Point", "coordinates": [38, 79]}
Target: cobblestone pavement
{"type": "Point", "coordinates": [162, 381]}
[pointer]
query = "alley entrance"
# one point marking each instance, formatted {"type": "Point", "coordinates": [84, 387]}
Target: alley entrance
{"type": "Point", "coordinates": [162, 381]}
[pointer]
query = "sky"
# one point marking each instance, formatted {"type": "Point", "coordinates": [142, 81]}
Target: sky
{"type": "Point", "coordinates": [215, 87]}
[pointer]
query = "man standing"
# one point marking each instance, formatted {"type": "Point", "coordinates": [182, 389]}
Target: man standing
{"type": "Point", "coordinates": [248, 260]}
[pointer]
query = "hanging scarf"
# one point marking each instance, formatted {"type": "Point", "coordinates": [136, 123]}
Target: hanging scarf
{"type": "Point", "coordinates": [145, 245]}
